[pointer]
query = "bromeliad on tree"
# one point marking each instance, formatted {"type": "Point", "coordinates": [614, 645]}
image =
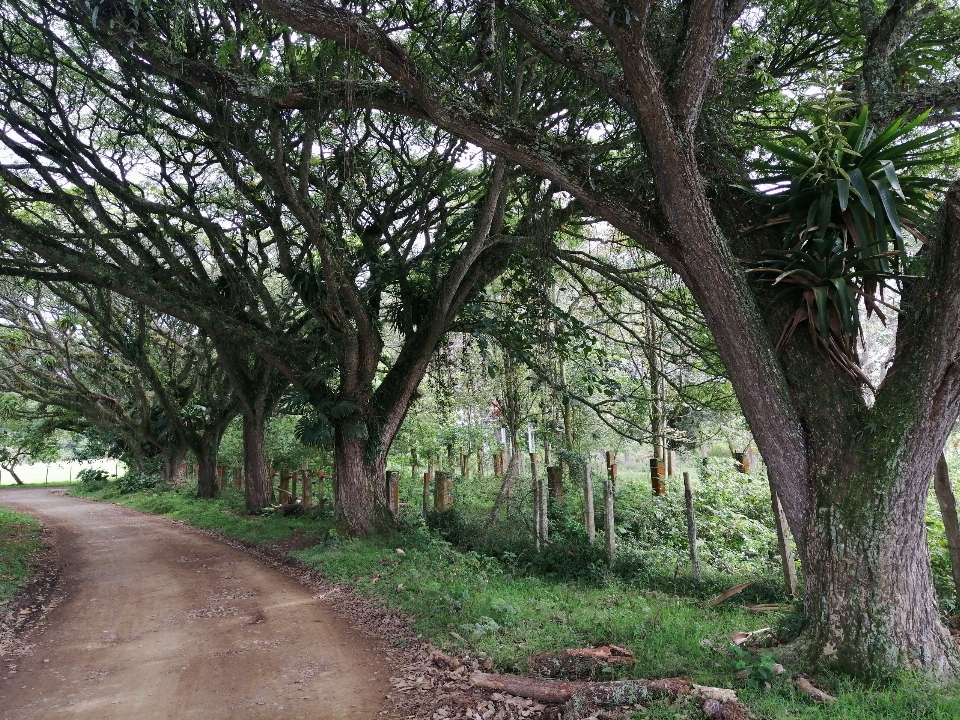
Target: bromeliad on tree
{"type": "Point", "coordinates": [852, 199]}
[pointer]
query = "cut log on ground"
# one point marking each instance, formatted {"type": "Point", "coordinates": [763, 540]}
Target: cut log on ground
{"type": "Point", "coordinates": [581, 698]}
{"type": "Point", "coordinates": [580, 663]}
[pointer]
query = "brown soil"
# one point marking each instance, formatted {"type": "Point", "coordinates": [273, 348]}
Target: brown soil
{"type": "Point", "coordinates": [159, 621]}
{"type": "Point", "coordinates": [140, 617]}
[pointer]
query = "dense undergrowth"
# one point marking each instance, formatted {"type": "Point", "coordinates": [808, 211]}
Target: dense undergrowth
{"type": "Point", "coordinates": [736, 539]}
{"type": "Point", "coordinates": [487, 591]}
{"type": "Point", "coordinates": [19, 540]}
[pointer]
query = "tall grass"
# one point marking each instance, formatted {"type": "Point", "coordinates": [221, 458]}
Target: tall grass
{"type": "Point", "coordinates": [19, 541]}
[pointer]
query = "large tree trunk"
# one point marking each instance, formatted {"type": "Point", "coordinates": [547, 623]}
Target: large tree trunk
{"type": "Point", "coordinates": [174, 462]}
{"type": "Point", "coordinates": [361, 490]}
{"type": "Point", "coordinates": [256, 477]}
{"type": "Point", "coordinates": [207, 485]}
{"type": "Point", "coordinates": [869, 602]}
{"type": "Point", "coordinates": [256, 386]}
{"type": "Point", "coordinates": [207, 450]}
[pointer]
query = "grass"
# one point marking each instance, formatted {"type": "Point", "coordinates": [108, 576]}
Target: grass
{"type": "Point", "coordinates": [463, 600]}
{"type": "Point", "coordinates": [58, 473]}
{"type": "Point", "coordinates": [19, 541]}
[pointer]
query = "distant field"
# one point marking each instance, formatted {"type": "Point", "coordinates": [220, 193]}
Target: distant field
{"type": "Point", "coordinates": [58, 472]}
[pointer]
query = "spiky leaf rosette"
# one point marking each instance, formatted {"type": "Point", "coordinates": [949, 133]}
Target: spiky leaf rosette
{"type": "Point", "coordinates": [850, 197]}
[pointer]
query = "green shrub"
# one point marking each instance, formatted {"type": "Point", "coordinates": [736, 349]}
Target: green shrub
{"type": "Point", "coordinates": [93, 479]}
{"type": "Point", "coordinates": [135, 482]}
{"type": "Point", "coordinates": [569, 554]}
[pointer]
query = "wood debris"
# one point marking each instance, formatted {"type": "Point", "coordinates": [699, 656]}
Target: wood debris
{"type": "Point", "coordinates": [727, 594]}
{"type": "Point", "coordinates": [742, 637]}
{"type": "Point", "coordinates": [580, 663]}
{"type": "Point", "coordinates": [815, 693]}
{"type": "Point", "coordinates": [766, 607]}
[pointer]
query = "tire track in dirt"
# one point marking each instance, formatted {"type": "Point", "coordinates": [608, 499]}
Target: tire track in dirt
{"type": "Point", "coordinates": [160, 621]}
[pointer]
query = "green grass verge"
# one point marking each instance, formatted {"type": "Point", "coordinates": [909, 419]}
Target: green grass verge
{"type": "Point", "coordinates": [19, 541]}
{"type": "Point", "coordinates": [464, 599]}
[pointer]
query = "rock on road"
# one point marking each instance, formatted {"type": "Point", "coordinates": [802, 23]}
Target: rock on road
{"type": "Point", "coordinates": [162, 622]}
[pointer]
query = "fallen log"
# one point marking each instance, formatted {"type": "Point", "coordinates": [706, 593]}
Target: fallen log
{"type": "Point", "coordinates": [560, 691]}
{"type": "Point", "coordinates": [580, 698]}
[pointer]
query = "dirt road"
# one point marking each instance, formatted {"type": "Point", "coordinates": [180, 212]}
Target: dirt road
{"type": "Point", "coordinates": [163, 622]}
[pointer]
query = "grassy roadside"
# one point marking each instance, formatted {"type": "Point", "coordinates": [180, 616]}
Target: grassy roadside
{"type": "Point", "coordinates": [464, 600]}
{"type": "Point", "coordinates": [19, 541]}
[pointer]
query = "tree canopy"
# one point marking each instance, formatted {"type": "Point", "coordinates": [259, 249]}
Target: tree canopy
{"type": "Point", "coordinates": [204, 156]}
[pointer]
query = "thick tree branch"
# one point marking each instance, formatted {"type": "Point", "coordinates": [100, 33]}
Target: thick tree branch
{"type": "Point", "coordinates": [570, 54]}
{"type": "Point", "coordinates": [706, 28]}
{"type": "Point", "coordinates": [927, 361]}
{"type": "Point", "coordinates": [514, 143]}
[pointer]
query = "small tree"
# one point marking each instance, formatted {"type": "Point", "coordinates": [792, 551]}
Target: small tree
{"type": "Point", "coordinates": [23, 439]}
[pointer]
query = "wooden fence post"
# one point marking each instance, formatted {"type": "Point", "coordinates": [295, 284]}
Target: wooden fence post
{"type": "Point", "coordinates": [426, 495]}
{"type": "Point", "coordinates": [237, 477]}
{"type": "Point", "coordinates": [306, 497]}
{"type": "Point", "coordinates": [555, 482]}
{"type": "Point", "coordinates": [609, 526]}
{"type": "Point", "coordinates": [783, 542]}
{"type": "Point", "coordinates": [294, 477]}
{"type": "Point", "coordinates": [320, 488]}
{"type": "Point", "coordinates": [742, 461]}
{"type": "Point", "coordinates": [656, 476]}
{"type": "Point", "coordinates": [284, 486]}
{"type": "Point", "coordinates": [443, 491]}
{"type": "Point", "coordinates": [273, 494]}
{"type": "Point", "coordinates": [393, 492]}
{"type": "Point", "coordinates": [691, 528]}
{"type": "Point", "coordinates": [588, 514]}
{"type": "Point", "coordinates": [544, 518]}
{"type": "Point", "coordinates": [611, 458]}
{"type": "Point", "coordinates": [537, 518]}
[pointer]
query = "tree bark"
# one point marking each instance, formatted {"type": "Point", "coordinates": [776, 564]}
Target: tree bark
{"type": "Point", "coordinates": [257, 386]}
{"type": "Point", "coordinates": [174, 461]}
{"type": "Point", "coordinates": [870, 604]}
{"type": "Point", "coordinates": [207, 456]}
{"type": "Point", "coordinates": [256, 478]}
{"type": "Point", "coordinates": [560, 691]}
{"type": "Point", "coordinates": [361, 492]}
{"type": "Point", "coordinates": [783, 544]}
{"type": "Point", "coordinates": [16, 478]}
{"type": "Point", "coordinates": [506, 489]}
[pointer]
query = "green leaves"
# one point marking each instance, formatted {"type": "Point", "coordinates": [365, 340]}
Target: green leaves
{"type": "Point", "coordinates": [851, 199]}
